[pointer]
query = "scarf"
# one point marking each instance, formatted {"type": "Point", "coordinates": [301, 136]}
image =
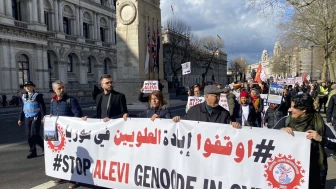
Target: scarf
{"type": "Point", "coordinates": [312, 121]}
{"type": "Point", "coordinates": [333, 92]}
{"type": "Point", "coordinates": [255, 101]}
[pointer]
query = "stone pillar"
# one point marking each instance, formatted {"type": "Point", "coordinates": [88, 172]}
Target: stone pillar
{"type": "Point", "coordinates": [111, 30]}
{"type": "Point", "coordinates": [62, 71]}
{"type": "Point", "coordinates": [9, 8]}
{"type": "Point", "coordinates": [56, 24]}
{"type": "Point", "coordinates": [78, 24]}
{"type": "Point", "coordinates": [80, 21]}
{"type": "Point", "coordinates": [83, 73]}
{"type": "Point", "coordinates": [45, 69]}
{"type": "Point", "coordinates": [2, 7]}
{"type": "Point", "coordinates": [42, 21]}
{"type": "Point", "coordinates": [35, 9]}
{"type": "Point", "coordinates": [98, 28]}
{"type": "Point", "coordinates": [94, 30]}
{"type": "Point", "coordinates": [13, 81]}
{"type": "Point", "coordinates": [74, 27]}
{"type": "Point", "coordinates": [60, 16]}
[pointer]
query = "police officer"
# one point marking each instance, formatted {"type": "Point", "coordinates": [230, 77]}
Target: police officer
{"type": "Point", "coordinates": [32, 111]}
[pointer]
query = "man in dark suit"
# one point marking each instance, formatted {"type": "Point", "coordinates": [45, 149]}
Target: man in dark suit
{"type": "Point", "coordinates": [110, 104]}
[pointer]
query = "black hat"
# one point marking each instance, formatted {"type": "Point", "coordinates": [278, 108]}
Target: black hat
{"type": "Point", "coordinates": [29, 83]}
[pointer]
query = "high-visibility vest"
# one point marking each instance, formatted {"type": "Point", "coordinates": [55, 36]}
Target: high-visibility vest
{"type": "Point", "coordinates": [323, 91]}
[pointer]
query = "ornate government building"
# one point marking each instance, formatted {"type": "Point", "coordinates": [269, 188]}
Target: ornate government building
{"type": "Point", "coordinates": [45, 40]}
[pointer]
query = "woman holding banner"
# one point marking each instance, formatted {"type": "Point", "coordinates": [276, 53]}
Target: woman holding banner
{"type": "Point", "coordinates": [258, 104]}
{"type": "Point", "coordinates": [303, 117]}
{"type": "Point", "coordinates": [244, 112]}
{"type": "Point", "coordinates": [157, 107]}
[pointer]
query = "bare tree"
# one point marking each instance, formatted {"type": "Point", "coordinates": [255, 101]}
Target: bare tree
{"type": "Point", "coordinates": [238, 67]}
{"type": "Point", "coordinates": [179, 44]}
{"type": "Point", "coordinates": [209, 53]}
{"type": "Point", "coordinates": [314, 25]}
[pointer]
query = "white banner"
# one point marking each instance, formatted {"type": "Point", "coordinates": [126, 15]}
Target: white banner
{"type": "Point", "coordinates": [150, 86]}
{"type": "Point", "coordinates": [223, 101]}
{"type": "Point", "coordinates": [298, 80]}
{"type": "Point", "coordinates": [194, 100]}
{"type": "Point", "coordinates": [140, 153]}
{"type": "Point", "coordinates": [186, 68]}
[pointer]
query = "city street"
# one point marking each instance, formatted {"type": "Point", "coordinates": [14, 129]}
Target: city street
{"type": "Point", "coordinates": [20, 173]}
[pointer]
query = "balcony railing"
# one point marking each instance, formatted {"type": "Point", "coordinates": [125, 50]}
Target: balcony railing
{"type": "Point", "coordinates": [89, 41]}
{"type": "Point", "coordinates": [106, 45]}
{"type": "Point", "coordinates": [70, 37]}
{"type": "Point", "coordinates": [20, 24]}
{"type": "Point", "coordinates": [52, 34]}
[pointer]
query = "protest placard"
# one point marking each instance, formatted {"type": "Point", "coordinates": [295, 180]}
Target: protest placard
{"type": "Point", "coordinates": [150, 86]}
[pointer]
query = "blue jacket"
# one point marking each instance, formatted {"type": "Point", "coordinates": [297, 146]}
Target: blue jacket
{"type": "Point", "coordinates": [163, 113]}
{"type": "Point", "coordinates": [67, 106]}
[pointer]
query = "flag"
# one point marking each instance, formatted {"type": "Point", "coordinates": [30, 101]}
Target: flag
{"type": "Point", "coordinates": [304, 77]}
{"type": "Point", "coordinates": [147, 52]}
{"type": "Point", "coordinates": [156, 63]}
{"type": "Point", "coordinates": [260, 75]}
{"type": "Point", "coordinates": [154, 50]}
{"type": "Point", "coordinates": [219, 37]}
{"type": "Point", "coordinates": [171, 6]}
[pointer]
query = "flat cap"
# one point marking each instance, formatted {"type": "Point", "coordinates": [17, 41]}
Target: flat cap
{"type": "Point", "coordinates": [212, 89]}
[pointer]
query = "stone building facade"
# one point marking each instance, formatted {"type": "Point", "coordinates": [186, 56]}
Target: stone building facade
{"type": "Point", "coordinates": [45, 40]}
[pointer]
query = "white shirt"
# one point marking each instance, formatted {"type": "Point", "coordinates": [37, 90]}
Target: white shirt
{"type": "Point", "coordinates": [245, 113]}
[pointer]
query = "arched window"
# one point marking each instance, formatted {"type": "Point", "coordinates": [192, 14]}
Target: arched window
{"type": "Point", "coordinates": [70, 63]}
{"type": "Point", "coordinates": [86, 30]}
{"type": "Point", "coordinates": [89, 65]}
{"type": "Point", "coordinates": [105, 66]}
{"type": "Point", "coordinates": [23, 62]}
{"type": "Point", "coordinates": [66, 25]}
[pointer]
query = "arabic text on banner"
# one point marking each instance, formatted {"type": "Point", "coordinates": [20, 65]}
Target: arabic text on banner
{"type": "Point", "coordinates": [150, 86]}
{"type": "Point", "coordinates": [140, 153]}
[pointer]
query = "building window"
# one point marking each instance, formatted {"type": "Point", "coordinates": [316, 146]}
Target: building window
{"type": "Point", "coordinates": [70, 63]}
{"type": "Point", "coordinates": [46, 20]}
{"type": "Point", "coordinates": [115, 37]}
{"type": "Point", "coordinates": [102, 34]}
{"type": "Point", "coordinates": [102, 2]}
{"type": "Point", "coordinates": [16, 10]}
{"type": "Point", "coordinates": [23, 69]}
{"type": "Point", "coordinates": [105, 66]}
{"type": "Point", "coordinates": [66, 25]}
{"type": "Point", "coordinates": [86, 30]}
{"type": "Point", "coordinates": [114, 3]}
{"type": "Point", "coordinates": [89, 65]}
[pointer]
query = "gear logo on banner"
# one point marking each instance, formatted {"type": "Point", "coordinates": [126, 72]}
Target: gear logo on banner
{"type": "Point", "coordinates": [284, 172]}
{"type": "Point", "coordinates": [57, 146]}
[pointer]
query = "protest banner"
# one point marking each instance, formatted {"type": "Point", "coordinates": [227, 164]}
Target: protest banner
{"type": "Point", "coordinates": [275, 93]}
{"type": "Point", "coordinates": [290, 81]}
{"type": "Point", "coordinates": [223, 101]}
{"type": "Point", "coordinates": [186, 68]}
{"type": "Point", "coordinates": [140, 153]}
{"type": "Point", "coordinates": [193, 100]}
{"type": "Point", "coordinates": [298, 80]}
{"type": "Point", "coordinates": [150, 86]}
{"type": "Point", "coordinates": [266, 104]}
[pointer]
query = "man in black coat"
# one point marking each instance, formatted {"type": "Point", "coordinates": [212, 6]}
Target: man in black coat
{"type": "Point", "coordinates": [110, 104]}
{"type": "Point", "coordinates": [209, 111]}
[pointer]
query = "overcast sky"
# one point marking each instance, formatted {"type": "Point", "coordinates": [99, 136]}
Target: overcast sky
{"type": "Point", "coordinates": [245, 33]}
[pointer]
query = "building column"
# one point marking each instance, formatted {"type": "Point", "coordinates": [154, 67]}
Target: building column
{"type": "Point", "coordinates": [110, 30]}
{"type": "Point", "coordinates": [60, 16]}
{"type": "Point", "coordinates": [42, 21]}
{"type": "Point", "coordinates": [35, 9]}
{"type": "Point", "coordinates": [9, 8]}
{"type": "Point", "coordinates": [98, 27]}
{"type": "Point", "coordinates": [94, 26]}
{"type": "Point", "coordinates": [56, 24]}
{"type": "Point", "coordinates": [80, 21]}
{"type": "Point", "coordinates": [74, 26]}
{"type": "Point", "coordinates": [2, 7]}
{"type": "Point", "coordinates": [77, 25]}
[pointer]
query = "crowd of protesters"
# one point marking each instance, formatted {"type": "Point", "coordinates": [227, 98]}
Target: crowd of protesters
{"type": "Point", "coordinates": [300, 105]}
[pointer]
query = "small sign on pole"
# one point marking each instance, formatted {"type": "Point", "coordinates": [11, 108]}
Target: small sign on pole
{"type": "Point", "coordinates": [186, 69]}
